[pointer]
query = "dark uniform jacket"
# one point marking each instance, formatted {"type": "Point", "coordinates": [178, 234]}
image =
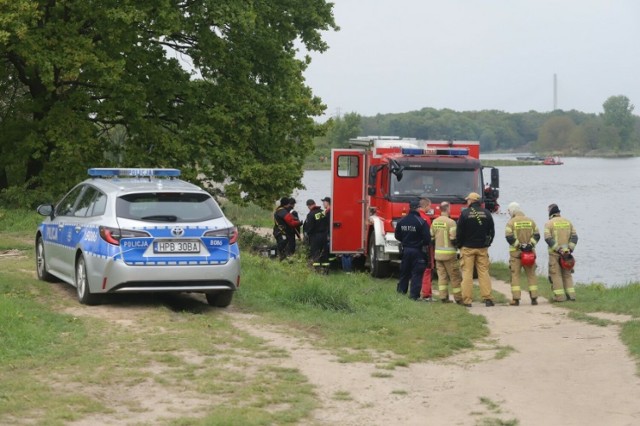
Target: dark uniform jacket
{"type": "Point", "coordinates": [285, 222]}
{"type": "Point", "coordinates": [317, 222]}
{"type": "Point", "coordinates": [475, 227]}
{"type": "Point", "coordinates": [413, 232]}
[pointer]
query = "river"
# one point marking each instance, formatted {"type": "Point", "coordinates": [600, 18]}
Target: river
{"type": "Point", "coordinates": [600, 196]}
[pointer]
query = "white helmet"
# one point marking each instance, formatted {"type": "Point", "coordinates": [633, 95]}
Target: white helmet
{"type": "Point", "coordinates": [513, 208]}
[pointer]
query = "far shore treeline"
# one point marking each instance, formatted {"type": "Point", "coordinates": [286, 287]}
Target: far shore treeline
{"type": "Point", "coordinates": [613, 133]}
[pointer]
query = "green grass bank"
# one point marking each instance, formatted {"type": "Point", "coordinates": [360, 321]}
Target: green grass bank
{"type": "Point", "coordinates": [49, 356]}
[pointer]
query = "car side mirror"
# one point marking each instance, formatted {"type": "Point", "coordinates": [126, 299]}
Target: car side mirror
{"type": "Point", "coordinates": [45, 210]}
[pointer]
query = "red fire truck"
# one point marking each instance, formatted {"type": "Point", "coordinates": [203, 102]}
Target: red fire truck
{"type": "Point", "coordinates": [374, 180]}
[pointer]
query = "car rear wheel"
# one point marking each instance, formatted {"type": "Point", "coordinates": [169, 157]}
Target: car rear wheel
{"type": "Point", "coordinates": [82, 284]}
{"type": "Point", "coordinates": [221, 299]}
{"type": "Point", "coordinates": [41, 263]}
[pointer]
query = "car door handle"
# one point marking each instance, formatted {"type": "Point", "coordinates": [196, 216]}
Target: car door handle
{"type": "Point", "coordinates": [337, 224]}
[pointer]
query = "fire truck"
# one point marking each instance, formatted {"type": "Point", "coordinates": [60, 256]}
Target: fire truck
{"type": "Point", "coordinates": [375, 179]}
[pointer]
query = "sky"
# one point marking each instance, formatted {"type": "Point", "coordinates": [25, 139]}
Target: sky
{"type": "Point", "coordinates": [469, 55]}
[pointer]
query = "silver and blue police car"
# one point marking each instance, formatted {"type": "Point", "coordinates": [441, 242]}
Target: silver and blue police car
{"type": "Point", "coordinates": [138, 230]}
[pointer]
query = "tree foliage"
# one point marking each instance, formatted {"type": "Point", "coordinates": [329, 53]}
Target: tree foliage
{"type": "Point", "coordinates": [569, 132]}
{"type": "Point", "coordinates": [618, 114]}
{"type": "Point", "coordinates": [99, 83]}
{"type": "Point", "coordinates": [341, 129]}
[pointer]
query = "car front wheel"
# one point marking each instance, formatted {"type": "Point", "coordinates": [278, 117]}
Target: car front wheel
{"type": "Point", "coordinates": [41, 262]}
{"type": "Point", "coordinates": [82, 284]}
{"type": "Point", "coordinates": [221, 299]}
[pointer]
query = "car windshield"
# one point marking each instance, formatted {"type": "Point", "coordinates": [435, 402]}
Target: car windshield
{"type": "Point", "coordinates": [441, 183]}
{"type": "Point", "coordinates": [168, 207]}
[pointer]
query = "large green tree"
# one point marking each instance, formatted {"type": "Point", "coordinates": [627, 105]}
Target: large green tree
{"type": "Point", "coordinates": [618, 114]}
{"type": "Point", "coordinates": [213, 87]}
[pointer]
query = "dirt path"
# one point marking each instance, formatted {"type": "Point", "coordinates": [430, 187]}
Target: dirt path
{"type": "Point", "coordinates": [559, 372]}
{"type": "Point", "coordinates": [538, 367]}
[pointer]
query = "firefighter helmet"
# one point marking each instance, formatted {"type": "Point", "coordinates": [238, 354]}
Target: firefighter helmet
{"type": "Point", "coordinates": [567, 261]}
{"type": "Point", "coordinates": [528, 258]}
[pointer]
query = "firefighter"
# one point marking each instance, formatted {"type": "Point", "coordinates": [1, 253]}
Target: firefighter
{"type": "Point", "coordinates": [474, 234]}
{"type": "Point", "coordinates": [285, 226]}
{"type": "Point", "coordinates": [561, 237]}
{"type": "Point", "coordinates": [316, 226]}
{"type": "Point", "coordinates": [426, 291]}
{"type": "Point", "coordinates": [443, 237]}
{"type": "Point", "coordinates": [413, 234]}
{"type": "Point", "coordinates": [522, 235]}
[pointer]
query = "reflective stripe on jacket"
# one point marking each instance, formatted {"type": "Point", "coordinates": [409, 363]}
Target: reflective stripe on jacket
{"type": "Point", "coordinates": [560, 233]}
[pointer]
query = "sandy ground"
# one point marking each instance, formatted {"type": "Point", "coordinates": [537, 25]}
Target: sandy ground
{"type": "Point", "coordinates": [560, 372]}
{"type": "Point", "coordinates": [537, 367]}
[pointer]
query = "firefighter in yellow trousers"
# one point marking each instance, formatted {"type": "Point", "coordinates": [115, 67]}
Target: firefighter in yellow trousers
{"type": "Point", "coordinates": [522, 234]}
{"type": "Point", "coordinates": [443, 236]}
{"type": "Point", "coordinates": [561, 237]}
{"type": "Point", "coordinates": [474, 234]}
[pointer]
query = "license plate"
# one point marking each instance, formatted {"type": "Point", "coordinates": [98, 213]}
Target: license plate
{"type": "Point", "coordinates": [176, 247]}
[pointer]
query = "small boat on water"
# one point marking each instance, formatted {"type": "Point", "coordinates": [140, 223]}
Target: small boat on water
{"type": "Point", "coordinates": [552, 161]}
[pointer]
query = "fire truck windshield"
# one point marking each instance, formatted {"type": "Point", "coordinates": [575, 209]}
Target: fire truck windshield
{"type": "Point", "coordinates": [440, 183]}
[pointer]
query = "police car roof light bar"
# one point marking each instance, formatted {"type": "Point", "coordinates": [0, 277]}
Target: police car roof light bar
{"type": "Point", "coordinates": [106, 172]}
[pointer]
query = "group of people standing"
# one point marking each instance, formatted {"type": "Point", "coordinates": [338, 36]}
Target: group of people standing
{"type": "Point", "coordinates": [462, 247]}
{"type": "Point", "coordinates": [288, 228]}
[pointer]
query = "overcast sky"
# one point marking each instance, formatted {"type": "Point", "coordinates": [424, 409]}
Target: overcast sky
{"type": "Point", "coordinates": [469, 55]}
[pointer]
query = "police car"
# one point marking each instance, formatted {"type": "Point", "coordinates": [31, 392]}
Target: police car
{"type": "Point", "coordinates": [138, 230]}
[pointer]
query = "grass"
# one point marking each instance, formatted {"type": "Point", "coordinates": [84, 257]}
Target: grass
{"type": "Point", "coordinates": [251, 214]}
{"type": "Point", "coordinates": [354, 312]}
{"type": "Point", "coordinates": [63, 363]}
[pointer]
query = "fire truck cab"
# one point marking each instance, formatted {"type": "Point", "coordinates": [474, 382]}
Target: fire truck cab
{"type": "Point", "coordinates": [374, 181]}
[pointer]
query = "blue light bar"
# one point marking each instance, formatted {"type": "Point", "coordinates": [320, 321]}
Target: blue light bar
{"type": "Point", "coordinates": [454, 151]}
{"type": "Point", "coordinates": [435, 151]}
{"type": "Point", "coordinates": [104, 172]}
{"type": "Point", "coordinates": [413, 151]}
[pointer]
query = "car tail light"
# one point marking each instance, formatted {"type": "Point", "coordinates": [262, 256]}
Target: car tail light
{"type": "Point", "coordinates": [114, 235]}
{"type": "Point", "coordinates": [230, 233]}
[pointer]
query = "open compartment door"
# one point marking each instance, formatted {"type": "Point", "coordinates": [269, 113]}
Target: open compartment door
{"type": "Point", "coordinates": [348, 183]}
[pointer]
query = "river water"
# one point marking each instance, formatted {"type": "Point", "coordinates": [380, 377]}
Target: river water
{"type": "Point", "coordinates": [601, 197]}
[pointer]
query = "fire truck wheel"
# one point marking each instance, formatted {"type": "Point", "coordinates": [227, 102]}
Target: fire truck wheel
{"type": "Point", "coordinates": [378, 268]}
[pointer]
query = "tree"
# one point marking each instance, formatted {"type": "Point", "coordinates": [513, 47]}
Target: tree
{"type": "Point", "coordinates": [76, 73]}
{"type": "Point", "coordinates": [555, 134]}
{"type": "Point", "coordinates": [618, 113]}
{"type": "Point", "coordinates": [342, 129]}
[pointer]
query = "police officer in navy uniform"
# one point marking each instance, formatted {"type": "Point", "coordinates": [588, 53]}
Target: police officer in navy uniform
{"type": "Point", "coordinates": [414, 236]}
